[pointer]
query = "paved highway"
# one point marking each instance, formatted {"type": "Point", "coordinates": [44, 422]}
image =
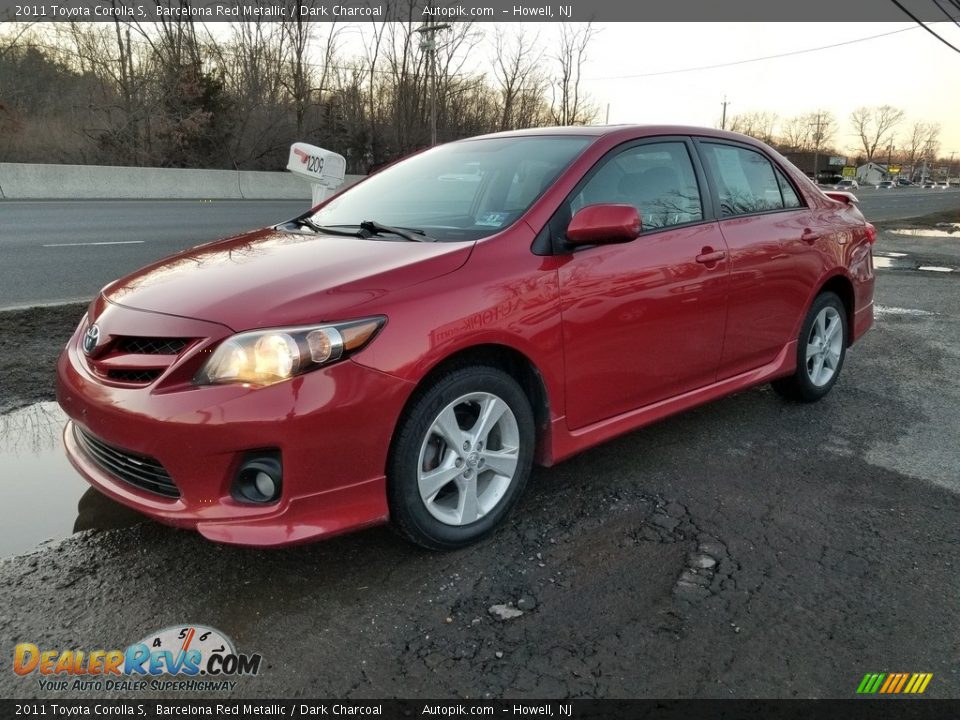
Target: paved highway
{"type": "Point", "coordinates": [67, 250]}
{"type": "Point", "coordinates": [55, 251]}
{"type": "Point", "coordinates": [902, 203]}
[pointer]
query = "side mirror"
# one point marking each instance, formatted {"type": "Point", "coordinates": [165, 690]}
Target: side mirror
{"type": "Point", "coordinates": [604, 225]}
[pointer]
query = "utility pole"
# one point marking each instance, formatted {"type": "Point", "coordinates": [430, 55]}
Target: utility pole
{"type": "Point", "coordinates": [723, 122]}
{"type": "Point", "coordinates": [816, 145]}
{"type": "Point", "coordinates": [428, 42]}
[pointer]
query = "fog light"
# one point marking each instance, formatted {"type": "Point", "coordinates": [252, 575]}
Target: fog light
{"type": "Point", "coordinates": [259, 478]}
{"type": "Point", "coordinates": [265, 485]}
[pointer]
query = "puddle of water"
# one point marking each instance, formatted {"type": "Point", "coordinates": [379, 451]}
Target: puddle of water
{"type": "Point", "coordinates": [890, 260]}
{"type": "Point", "coordinates": [926, 232]}
{"type": "Point", "coordinates": [889, 310]}
{"type": "Point", "coordinates": [44, 497]}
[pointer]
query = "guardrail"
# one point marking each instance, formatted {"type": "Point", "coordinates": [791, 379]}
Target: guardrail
{"type": "Point", "coordinates": [25, 181]}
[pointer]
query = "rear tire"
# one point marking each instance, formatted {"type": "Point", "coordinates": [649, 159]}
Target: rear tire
{"type": "Point", "coordinates": [461, 458]}
{"type": "Point", "coordinates": [821, 349]}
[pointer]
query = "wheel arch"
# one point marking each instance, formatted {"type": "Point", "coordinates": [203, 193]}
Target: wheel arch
{"type": "Point", "coordinates": [508, 359]}
{"type": "Point", "coordinates": [842, 287]}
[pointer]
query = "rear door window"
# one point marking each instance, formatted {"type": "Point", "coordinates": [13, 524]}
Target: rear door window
{"type": "Point", "coordinates": [746, 181]}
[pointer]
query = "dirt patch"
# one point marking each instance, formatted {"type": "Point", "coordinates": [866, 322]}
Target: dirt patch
{"type": "Point", "coordinates": [30, 342]}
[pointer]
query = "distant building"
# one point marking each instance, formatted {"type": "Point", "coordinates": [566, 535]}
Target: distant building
{"type": "Point", "coordinates": [829, 166]}
{"type": "Point", "coordinates": [872, 174]}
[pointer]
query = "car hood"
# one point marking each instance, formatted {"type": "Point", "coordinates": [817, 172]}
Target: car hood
{"type": "Point", "coordinates": [271, 278]}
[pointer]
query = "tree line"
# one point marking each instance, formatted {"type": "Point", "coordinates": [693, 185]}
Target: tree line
{"type": "Point", "coordinates": [174, 94]}
{"type": "Point", "coordinates": [879, 133]}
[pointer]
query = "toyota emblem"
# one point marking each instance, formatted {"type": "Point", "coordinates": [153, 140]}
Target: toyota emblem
{"type": "Point", "coordinates": [91, 339]}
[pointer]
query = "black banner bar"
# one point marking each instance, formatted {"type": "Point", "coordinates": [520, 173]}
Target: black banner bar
{"type": "Point", "coordinates": [865, 709]}
{"type": "Point", "coordinates": [468, 10]}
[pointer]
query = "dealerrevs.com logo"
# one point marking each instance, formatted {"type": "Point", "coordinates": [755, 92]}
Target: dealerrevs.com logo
{"type": "Point", "coordinates": [186, 657]}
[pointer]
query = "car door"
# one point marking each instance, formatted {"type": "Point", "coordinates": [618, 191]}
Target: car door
{"type": "Point", "coordinates": [643, 321]}
{"type": "Point", "coordinates": [765, 226]}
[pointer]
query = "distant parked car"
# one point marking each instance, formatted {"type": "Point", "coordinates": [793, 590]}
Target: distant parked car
{"type": "Point", "coordinates": [886, 185]}
{"type": "Point", "coordinates": [903, 182]}
{"type": "Point", "coordinates": [943, 185]}
{"type": "Point", "coordinates": [847, 184]}
{"type": "Point", "coordinates": [928, 184]}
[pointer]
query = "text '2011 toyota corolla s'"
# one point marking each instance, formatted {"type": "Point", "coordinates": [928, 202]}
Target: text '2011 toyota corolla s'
{"type": "Point", "coordinates": [407, 350]}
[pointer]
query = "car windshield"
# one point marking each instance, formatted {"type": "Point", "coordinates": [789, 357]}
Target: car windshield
{"type": "Point", "coordinates": [461, 191]}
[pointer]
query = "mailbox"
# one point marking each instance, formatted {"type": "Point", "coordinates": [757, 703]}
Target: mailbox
{"type": "Point", "coordinates": [323, 169]}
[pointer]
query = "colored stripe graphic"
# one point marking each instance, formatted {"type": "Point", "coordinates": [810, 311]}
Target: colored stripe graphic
{"type": "Point", "coordinates": [894, 683]}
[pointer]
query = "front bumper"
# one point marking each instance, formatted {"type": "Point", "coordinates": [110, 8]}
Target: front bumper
{"type": "Point", "coordinates": [332, 427]}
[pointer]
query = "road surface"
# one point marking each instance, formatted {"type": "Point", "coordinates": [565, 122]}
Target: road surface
{"type": "Point", "coordinates": [57, 251]}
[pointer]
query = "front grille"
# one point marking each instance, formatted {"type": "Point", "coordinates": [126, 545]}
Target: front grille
{"type": "Point", "coordinates": [138, 470]}
{"type": "Point", "coordinates": [150, 346]}
{"type": "Point", "coordinates": [134, 376]}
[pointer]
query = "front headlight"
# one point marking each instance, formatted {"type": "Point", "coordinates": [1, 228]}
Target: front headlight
{"type": "Point", "coordinates": [264, 357]}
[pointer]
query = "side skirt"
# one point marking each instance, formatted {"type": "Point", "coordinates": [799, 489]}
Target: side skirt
{"type": "Point", "coordinates": [562, 442]}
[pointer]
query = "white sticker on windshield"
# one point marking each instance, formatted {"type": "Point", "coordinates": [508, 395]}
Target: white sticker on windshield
{"type": "Point", "coordinates": [492, 219]}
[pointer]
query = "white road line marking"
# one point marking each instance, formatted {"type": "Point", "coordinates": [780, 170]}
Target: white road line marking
{"type": "Point", "coordinates": [116, 242]}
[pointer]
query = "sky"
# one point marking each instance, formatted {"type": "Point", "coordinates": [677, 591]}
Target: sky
{"type": "Point", "coordinates": [907, 68]}
{"type": "Point", "coordinates": [911, 70]}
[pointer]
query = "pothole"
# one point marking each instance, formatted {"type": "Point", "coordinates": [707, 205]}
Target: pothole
{"type": "Point", "coordinates": [708, 569]}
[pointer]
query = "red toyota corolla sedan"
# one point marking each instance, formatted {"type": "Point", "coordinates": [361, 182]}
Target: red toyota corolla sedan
{"type": "Point", "coordinates": [407, 350]}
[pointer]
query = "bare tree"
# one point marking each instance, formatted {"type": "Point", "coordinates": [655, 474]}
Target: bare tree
{"type": "Point", "coordinates": [919, 140]}
{"type": "Point", "coordinates": [874, 127]}
{"type": "Point", "coordinates": [175, 93]}
{"type": "Point", "coordinates": [569, 107]}
{"type": "Point", "coordinates": [372, 44]}
{"type": "Point", "coordinates": [517, 71]}
{"type": "Point", "coordinates": [760, 125]}
{"type": "Point", "coordinates": [795, 133]}
{"type": "Point", "coordinates": [298, 78]}
{"type": "Point", "coordinates": [12, 40]}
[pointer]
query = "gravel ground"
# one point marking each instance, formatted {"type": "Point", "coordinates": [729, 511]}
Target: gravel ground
{"type": "Point", "coordinates": [30, 341]}
{"type": "Point", "coordinates": [749, 548]}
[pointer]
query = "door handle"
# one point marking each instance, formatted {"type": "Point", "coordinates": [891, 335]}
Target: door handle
{"type": "Point", "coordinates": [709, 256]}
{"type": "Point", "coordinates": [810, 236]}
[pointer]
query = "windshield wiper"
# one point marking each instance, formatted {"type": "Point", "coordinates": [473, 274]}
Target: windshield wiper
{"type": "Point", "coordinates": [412, 234]}
{"type": "Point", "coordinates": [325, 230]}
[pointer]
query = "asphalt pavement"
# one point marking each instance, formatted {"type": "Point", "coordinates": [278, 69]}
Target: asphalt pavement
{"type": "Point", "coordinates": [57, 251]}
{"type": "Point", "coordinates": [65, 250]}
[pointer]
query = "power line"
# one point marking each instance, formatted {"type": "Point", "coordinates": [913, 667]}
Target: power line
{"type": "Point", "coordinates": [753, 60]}
{"type": "Point", "coordinates": [947, 12]}
{"type": "Point", "coordinates": [920, 22]}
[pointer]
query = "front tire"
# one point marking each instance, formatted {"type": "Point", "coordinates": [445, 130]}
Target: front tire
{"type": "Point", "coordinates": [821, 349]}
{"type": "Point", "coordinates": [461, 458]}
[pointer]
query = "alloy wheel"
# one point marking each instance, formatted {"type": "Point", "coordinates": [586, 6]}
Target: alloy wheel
{"type": "Point", "coordinates": [468, 458]}
{"type": "Point", "coordinates": [824, 346]}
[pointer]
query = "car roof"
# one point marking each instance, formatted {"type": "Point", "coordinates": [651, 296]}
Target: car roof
{"type": "Point", "coordinates": [623, 132]}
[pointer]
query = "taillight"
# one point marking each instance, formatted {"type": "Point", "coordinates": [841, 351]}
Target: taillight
{"type": "Point", "coordinates": [871, 234]}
